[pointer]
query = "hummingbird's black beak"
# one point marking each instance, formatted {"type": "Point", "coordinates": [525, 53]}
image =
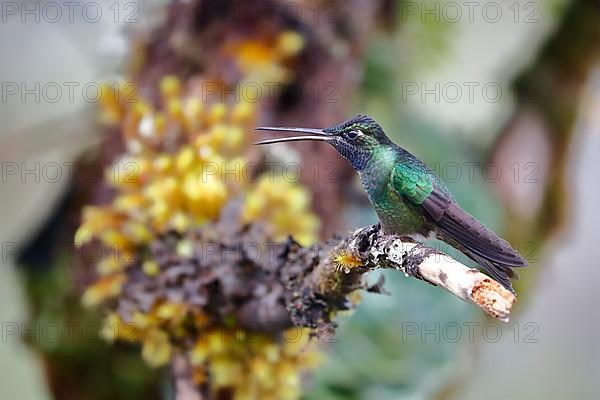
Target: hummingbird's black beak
{"type": "Point", "coordinates": [313, 134]}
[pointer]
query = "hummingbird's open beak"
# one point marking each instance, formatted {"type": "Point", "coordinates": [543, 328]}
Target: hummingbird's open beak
{"type": "Point", "coordinates": [313, 134]}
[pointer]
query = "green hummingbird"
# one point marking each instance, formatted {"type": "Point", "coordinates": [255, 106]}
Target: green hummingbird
{"type": "Point", "coordinates": [408, 197]}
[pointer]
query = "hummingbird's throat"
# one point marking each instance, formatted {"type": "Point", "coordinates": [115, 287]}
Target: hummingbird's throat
{"type": "Point", "coordinates": [357, 156]}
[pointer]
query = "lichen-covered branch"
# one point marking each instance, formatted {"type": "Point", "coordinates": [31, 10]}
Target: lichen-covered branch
{"type": "Point", "coordinates": [283, 284]}
{"type": "Point", "coordinates": [328, 285]}
{"type": "Point", "coordinates": [377, 250]}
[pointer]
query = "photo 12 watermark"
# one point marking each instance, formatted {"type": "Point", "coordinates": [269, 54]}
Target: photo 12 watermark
{"type": "Point", "coordinates": [409, 332]}
{"type": "Point", "coordinates": [55, 12]}
{"type": "Point", "coordinates": [471, 332]}
{"type": "Point", "coordinates": [453, 92]}
{"type": "Point", "coordinates": [66, 91]}
{"type": "Point", "coordinates": [453, 12]}
{"type": "Point", "coordinates": [128, 170]}
{"type": "Point", "coordinates": [50, 92]}
{"type": "Point", "coordinates": [124, 253]}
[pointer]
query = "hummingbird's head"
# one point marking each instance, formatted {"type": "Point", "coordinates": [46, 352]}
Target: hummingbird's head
{"type": "Point", "coordinates": [356, 139]}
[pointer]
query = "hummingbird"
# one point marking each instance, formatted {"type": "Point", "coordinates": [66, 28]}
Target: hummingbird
{"type": "Point", "coordinates": [408, 197]}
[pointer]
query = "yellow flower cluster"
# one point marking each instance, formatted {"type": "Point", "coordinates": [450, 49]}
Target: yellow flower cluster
{"type": "Point", "coordinates": [264, 60]}
{"type": "Point", "coordinates": [185, 161]}
{"type": "Point", "coordinates": [154, 330]}
{"type": "Point", "coordinates": [160, 190]}
{"type": "Point", "coordinates": [277, 200]}
{"type": "Point", "coordinates": [254, 365]}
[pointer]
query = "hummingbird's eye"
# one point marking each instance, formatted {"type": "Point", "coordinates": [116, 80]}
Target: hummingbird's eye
{"type": "Point", "coordinates": [352, 135]}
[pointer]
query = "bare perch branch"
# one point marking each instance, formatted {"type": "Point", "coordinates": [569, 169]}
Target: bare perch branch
{"type": "Point", "coordinates": [377, 250]}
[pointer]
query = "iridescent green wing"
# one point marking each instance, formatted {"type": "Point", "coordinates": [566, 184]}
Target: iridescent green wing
{"type": "Point", "coordinates": [419, 187]}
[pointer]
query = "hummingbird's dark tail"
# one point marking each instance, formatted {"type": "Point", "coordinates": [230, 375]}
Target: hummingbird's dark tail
{"type": "Point", "coordinates": [500, 272]}
{"type": "Point", "coordinates": [461, 230]}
